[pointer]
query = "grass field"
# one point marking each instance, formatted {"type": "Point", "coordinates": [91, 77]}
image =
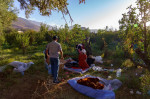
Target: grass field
{"type": "Point", "coordinates": [37, 84]}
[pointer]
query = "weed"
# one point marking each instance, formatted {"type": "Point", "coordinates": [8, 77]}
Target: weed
{"type": "Point", "coordinates": [145, 82]}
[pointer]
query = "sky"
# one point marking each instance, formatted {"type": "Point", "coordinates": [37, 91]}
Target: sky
{"type": "Point", "coordinates": [94, 14]}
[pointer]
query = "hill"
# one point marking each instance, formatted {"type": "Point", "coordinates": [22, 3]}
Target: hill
{"type": "Point", "coordinates": [25, 24]}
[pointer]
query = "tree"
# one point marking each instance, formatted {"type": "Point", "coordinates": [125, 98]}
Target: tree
{"type": "Point", "coordinates": [7, 14]}
{"type": "Point", "coordinates": [44, 28]}
{"type": "Point", "coordinates": [22, 41]}
{"type": "Point", "coordinates": [76, 35]}
{"type": "Point", "coordinates": [46, 6]}
{"type": "Point", "coordinates": [134, 32]}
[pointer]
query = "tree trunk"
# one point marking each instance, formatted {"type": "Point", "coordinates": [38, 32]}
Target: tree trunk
{"type": "Point", "coordinates": [145, 32]}
{"type": "Point", "coordinates": [24, 50]}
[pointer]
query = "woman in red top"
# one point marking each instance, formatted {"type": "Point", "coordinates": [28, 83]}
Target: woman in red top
{"type": "Point", "coordinates": [82, 59]}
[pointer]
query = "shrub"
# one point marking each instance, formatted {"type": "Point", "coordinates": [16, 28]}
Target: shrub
{"type": "Point", "coordinates": [39, 38]}
{"type": "Point", "coordinates": [145, 82]}
{"type": "Point", "coordinates": [127, 63]}
{"type": "Point", "coordinates": [22, 41]}
{"type": "Point", "coordinates": [11, 38]}
{"type": "Point", "coordinates": [2, 39]}
{"type": "Point", "coordinates": [119, 53]}
{"type": "Point", "coordinates": [131, 81]}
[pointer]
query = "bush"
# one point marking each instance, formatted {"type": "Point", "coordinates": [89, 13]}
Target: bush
{"type": "Point", "coordinates": [22, 41]}
{"type": "Point", "coordinates": [39, 38]}
{"type": "Point", "coordinates": [2, 39]}
{"type": "Point", "coordinates": [32, 35]}
{"type": "Point", "coordinates": [11, 38]}
{"type": "Point", "coordinates": [128, 63]}
{"type": "Point", "coordinates": [119, 53]}
{"type": "Point", "coordinates": [131, 81]}
{"type": "Point", "coordinates": [145, 82]}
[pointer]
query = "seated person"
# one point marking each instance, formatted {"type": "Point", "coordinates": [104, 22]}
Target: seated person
{"type": "Point", "coordinates": [79, 47]}
{"type": "Point", "coordinates": [82, 59]}
{"type": "Point", "coordinates": [90, 60]}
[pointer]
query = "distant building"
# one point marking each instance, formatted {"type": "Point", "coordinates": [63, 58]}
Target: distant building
{"type": "Point", "coordinates": [20, 31]}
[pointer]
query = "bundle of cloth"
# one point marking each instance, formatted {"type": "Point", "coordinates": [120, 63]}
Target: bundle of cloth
{"type": "Point", "coordinates": [91, 82]}
{"type": "Point", "coordinates": [20, 66]}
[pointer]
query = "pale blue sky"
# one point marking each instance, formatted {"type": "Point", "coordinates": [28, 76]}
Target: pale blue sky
{"type": "Point", "coordinates": [95, 14]}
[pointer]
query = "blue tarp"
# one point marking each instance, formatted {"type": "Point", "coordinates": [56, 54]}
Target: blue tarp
{"type": "Point", "coordinates": [77, 70]}
{"type": "Point", "coordinates": [105, 93]}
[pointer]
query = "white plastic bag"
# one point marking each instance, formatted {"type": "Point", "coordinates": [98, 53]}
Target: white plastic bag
{"type": "Point", "coordinates": [98, 59]}
{"type": "Point", "coordinates": [108, 87]}
{"type": "Point", "coordinates": [118, 73]}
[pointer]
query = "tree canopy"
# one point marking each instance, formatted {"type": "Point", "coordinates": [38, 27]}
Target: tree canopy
{"type": "Point", "coordinates": [7, 14]}
{"type": "Point", "coordinates": [135, 33]}
{"type": "Point", "coordinates": [46, 7]}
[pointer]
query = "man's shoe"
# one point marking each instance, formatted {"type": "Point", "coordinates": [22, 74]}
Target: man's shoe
{"type": "Point", "coordinates": [56, 81]}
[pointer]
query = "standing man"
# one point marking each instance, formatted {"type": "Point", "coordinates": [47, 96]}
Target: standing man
{"type": "Point", "coordinates": [54, 48]}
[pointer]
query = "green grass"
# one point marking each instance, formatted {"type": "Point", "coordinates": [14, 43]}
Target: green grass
{"type": "Point", "coordinates": [27, 84]}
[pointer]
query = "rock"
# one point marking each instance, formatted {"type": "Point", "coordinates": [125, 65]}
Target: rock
{"type": "Point", "coordinates": [131, 92]}
{"type": "Point", "coordinates": [138, 92]}
{"type": "Point", "coordinates": [109, 77]}
{"type": "Point", "coordinates": [111, 65]}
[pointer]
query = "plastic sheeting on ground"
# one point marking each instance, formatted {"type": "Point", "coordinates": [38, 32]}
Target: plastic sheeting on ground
{"type": "Point", "coordinates": [106, 93]}
{"type": "Point", "coordinates": [20, 66]}
{"type": "Point", "coordinates": [76, 70]}
{"type": "Point", "coordinates": [98, 59]}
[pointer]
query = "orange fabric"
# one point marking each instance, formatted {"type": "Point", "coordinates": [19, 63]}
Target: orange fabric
{"type": "Point", "coordinates": [91, 82]}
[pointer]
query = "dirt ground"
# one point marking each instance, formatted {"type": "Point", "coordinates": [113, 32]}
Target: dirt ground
{"type": "Point", "coordinates": [39, 86]}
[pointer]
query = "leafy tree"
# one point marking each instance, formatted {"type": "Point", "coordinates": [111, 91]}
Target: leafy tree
{"type": "Point", "coordinates": [44, 31]}
{"type": "Point", "coordinates": [11, 37]}
{"type": "Point", "coordinates": [135, 33]}
{"type": "Point", "coordinates": [42, 34]}
{"type": "Point", "coordinates": [2, 39]}
{"type": "Point", "coordinates": [50, 34]}
{"type": "Point", "coordinates": [32, 35]}
{"type": "Point", "coordinates": [7, 14]}
{"type": "Point", "coordinates": [22, 41]}
{"type": "Point", "coordinates": [46, 6]}
{"type": "Point", "coordinates": [76, 35]}
{"type": "Point", "coordinates": [44, 28]}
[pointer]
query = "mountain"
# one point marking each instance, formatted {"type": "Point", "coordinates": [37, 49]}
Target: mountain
{"type": "Point", "coordinates": [24, 24]}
